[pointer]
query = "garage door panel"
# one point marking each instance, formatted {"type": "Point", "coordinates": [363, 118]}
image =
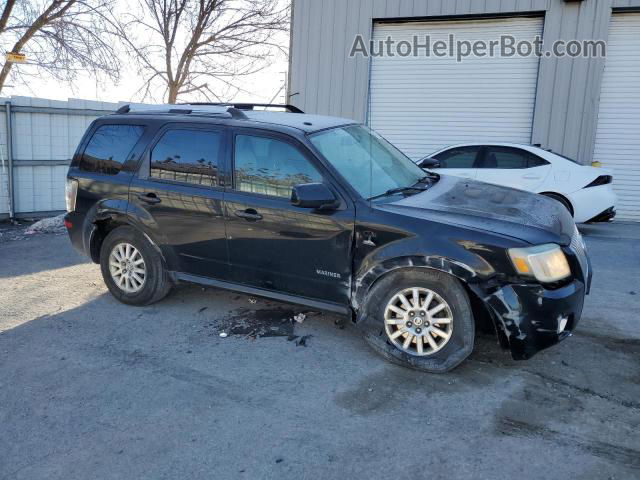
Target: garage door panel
{"type": "Point", "coordinates": [618, 134]}
{"type": "Point", "coordinates": [423, 104]}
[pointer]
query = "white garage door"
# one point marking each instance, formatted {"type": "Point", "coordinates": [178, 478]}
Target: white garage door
{"type": "Point", "coordinates": [618, 136]}
{"type": "Point", "coordinates": [422, 103]}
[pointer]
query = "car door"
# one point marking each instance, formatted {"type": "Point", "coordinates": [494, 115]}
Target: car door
{"type": "Point", "coordinates": [512, 167]}
{"type": "Point", "coordinates": [459, 161]}
{"type": "Point", "coordinates": [274, 245]}
{"type": "Point", "coordinates": [178, 196]}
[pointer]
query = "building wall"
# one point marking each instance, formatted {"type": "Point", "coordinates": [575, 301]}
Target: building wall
{"type": "Point", "coordinates": [324, 80]}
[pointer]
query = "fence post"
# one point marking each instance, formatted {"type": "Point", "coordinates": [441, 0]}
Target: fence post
{"type": "Point", "coordinates": [12, 210]}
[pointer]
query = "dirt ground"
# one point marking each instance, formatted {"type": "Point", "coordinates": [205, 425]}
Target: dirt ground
{"type": "Point", "coordinates": [90, 388]}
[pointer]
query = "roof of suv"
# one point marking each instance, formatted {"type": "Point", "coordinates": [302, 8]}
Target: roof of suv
{"type": "Point", "coordinates": [301, 121]}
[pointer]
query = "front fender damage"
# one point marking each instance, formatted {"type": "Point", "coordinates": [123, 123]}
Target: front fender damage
{"type": "Point", "coordinates": [365, 281]}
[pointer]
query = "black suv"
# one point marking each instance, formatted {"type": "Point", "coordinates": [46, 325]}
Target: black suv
{"type": "Point", "coordinates": [326, 213]}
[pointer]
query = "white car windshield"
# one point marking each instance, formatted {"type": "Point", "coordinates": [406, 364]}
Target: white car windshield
{"type": "Point", "coordinates": [367, 161]}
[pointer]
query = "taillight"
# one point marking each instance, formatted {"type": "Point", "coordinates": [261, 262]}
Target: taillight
{"type": "Point", "coordinates": [71, 192]}
{"type": "Point", "coordinates": [601, 180]}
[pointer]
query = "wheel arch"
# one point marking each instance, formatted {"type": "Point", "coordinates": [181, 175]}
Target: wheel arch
{"type": "Point", "coordinates": [365, 282]}
{"type": "Point", "coordinates": [562, 198]}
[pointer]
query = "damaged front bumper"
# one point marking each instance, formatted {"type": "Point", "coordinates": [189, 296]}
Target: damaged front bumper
{"type": "Point", "coordinates": [530, 318]}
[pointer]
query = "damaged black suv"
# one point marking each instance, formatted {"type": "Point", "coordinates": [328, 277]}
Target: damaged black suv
{"type": "Point", "coordinates": [326, 213]}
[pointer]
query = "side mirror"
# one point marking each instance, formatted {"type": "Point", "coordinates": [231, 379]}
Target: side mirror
{"type": "Point", "coordinates": [428, 162]}
{"type": "Point", "coordinates": [314, 195]}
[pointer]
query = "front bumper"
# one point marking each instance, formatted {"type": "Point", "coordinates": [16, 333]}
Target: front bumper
{"type": "Point", "coordinates": [530, 318]}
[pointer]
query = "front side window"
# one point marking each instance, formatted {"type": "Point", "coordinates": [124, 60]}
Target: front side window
{"type": "Point", "coordinates": [463, 157]}
{"type": "Point", "coordinates": [109, 148]}
{"type": "Point", "coordinates": [270, 167]}
{"type": "Point", "coordinates": [188, 156]}
{"type": "Point", "coordinates": [366, 160]}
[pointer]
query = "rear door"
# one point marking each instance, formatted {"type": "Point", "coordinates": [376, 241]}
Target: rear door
{"type": "Point", "coordinates": [513, 167]}
{"type": "Point", "coordinates": [459, 161]}
{"type": "Point", "coordinates": [274, 245]}
{"type": "Point", "coordinates": [178, 197]}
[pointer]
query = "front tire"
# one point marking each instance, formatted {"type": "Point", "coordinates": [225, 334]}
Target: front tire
{"type": "Point", "coordinates": [132, 269]}
{"type": "Point", "coordinates": [421, 319]}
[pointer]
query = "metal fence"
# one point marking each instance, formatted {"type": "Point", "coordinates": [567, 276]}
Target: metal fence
{"type": "Point", "coordinates": [37, 140]}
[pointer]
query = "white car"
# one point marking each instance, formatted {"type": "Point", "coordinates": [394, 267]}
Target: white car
{"type": "Point", "coordinates": [585, 191]}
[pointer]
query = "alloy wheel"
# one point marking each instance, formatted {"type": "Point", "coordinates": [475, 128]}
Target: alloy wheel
{"type": "Point", "coordinates": [418, 321]}
{"type": "Point", "coordinates": [127, 267]}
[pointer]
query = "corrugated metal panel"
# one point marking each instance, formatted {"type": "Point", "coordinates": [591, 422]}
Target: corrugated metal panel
{"type": "Point", "coordinates": [618, 135]}
{"type": "Point", "coordinates": [422, 104]}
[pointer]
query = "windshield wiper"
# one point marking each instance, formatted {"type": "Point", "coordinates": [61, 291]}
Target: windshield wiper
{"type": "Point", "coordinates": [393, 191]}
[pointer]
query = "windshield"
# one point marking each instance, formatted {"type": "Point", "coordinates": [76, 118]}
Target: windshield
{"type": "Point", "coordinates": [366, 160]}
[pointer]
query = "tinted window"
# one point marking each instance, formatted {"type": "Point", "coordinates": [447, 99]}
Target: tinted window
{"type": "Point", "coordinates": [536, 161]}
{"type": "Point", "coordinates": [464, 157]}
{"type": "Point", "coordinates": [271, 167]}
{"type": "Point", "coordinates": [109, 148]}
{"type": "Point", "coordinates": [510, 158]}
{"type": "Point", "coordinates": [190, 156]}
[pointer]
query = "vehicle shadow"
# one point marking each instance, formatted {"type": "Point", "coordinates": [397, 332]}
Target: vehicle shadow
{"type": "Point", "coordinates": [37, 253]}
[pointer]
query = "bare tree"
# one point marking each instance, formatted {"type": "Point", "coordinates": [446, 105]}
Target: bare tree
{"type": "Point", "coordinates": [201, 47]}
{"type": "Point", "coordinates": [59, 37]}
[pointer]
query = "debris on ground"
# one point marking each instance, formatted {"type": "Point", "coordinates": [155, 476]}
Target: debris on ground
{"type": "Point", "coordinates": [253, 301]}
{"type": "Point", "coordinates": [340, 323]}
{"type": "Point", "coordinates": [202, 309]}
{"type": "Point", "coordinates": [299, 317]}
{"type": "Point", "coordinates": [47, 225]}
{"type": "Point", "coordinates": [267, 322]}
{"type": "Point", "coordinates": [224, 334]}
{"type": "Point", "coordinates": [302, 342]}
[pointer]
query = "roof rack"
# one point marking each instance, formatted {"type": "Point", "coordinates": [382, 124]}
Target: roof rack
{"type": "Point", "coordinates": [195, 108]}
{"type": "Point", "coordinates": [252, 106]}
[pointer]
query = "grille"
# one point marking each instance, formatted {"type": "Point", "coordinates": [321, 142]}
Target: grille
{"type": "Point", "coordinates": [579, 248]}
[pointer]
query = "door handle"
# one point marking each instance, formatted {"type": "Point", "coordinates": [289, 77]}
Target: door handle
{"type": "Point", "coordinates": [150, 198]}
{"type": "Point", "coordinates": [249, 214]}
{"type": "Point", "coordinates": [531, 177]}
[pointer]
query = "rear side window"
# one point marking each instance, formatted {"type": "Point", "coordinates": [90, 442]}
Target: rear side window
{"type": "Point", "coordinates": [464, 157]}
{"type": "Point", "coordinates": [510, 158]}
{"type": "Point", "coordinates": [109, 148]}
{"type": "Point", "coordinates": [188, 156]}
{"type": "Point", "coordinates": [536, 161]}
{"type": "Point", "coordinates": [270, 167]}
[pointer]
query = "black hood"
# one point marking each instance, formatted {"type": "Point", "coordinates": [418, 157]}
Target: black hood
{"type": "Point", "coordinates": [527, 216]}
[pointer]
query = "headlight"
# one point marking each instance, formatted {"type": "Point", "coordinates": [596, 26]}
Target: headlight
{"type": "Point", "coordinates": [546, 263]}
{"type": "Point", "coordinates": [71, 192]}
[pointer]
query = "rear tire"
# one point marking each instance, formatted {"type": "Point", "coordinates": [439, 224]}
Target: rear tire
{"type": "Point", "coordinates": [132, 269]}
{"type": "Point", "coordinates": [454, 339]}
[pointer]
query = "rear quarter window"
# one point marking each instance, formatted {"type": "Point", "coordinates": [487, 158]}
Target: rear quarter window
{"type": "Point", "coordinates": [109, 148]}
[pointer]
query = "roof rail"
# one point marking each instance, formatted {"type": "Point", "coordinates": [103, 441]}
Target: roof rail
{"type": "Point", "coordinates": [252, 106]}
{"type": "Point", "coordinates": [195, 108]}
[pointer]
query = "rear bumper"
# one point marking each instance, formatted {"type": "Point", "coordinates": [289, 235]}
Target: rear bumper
{"type": "Point", "coordinates": [588, 203]}
{"type": "Point", "coordinates": [606, 216]}
{"type": "Point", "coordinates": [530, 318]}
{"type": "Point", "coordinates": [75, 228]}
